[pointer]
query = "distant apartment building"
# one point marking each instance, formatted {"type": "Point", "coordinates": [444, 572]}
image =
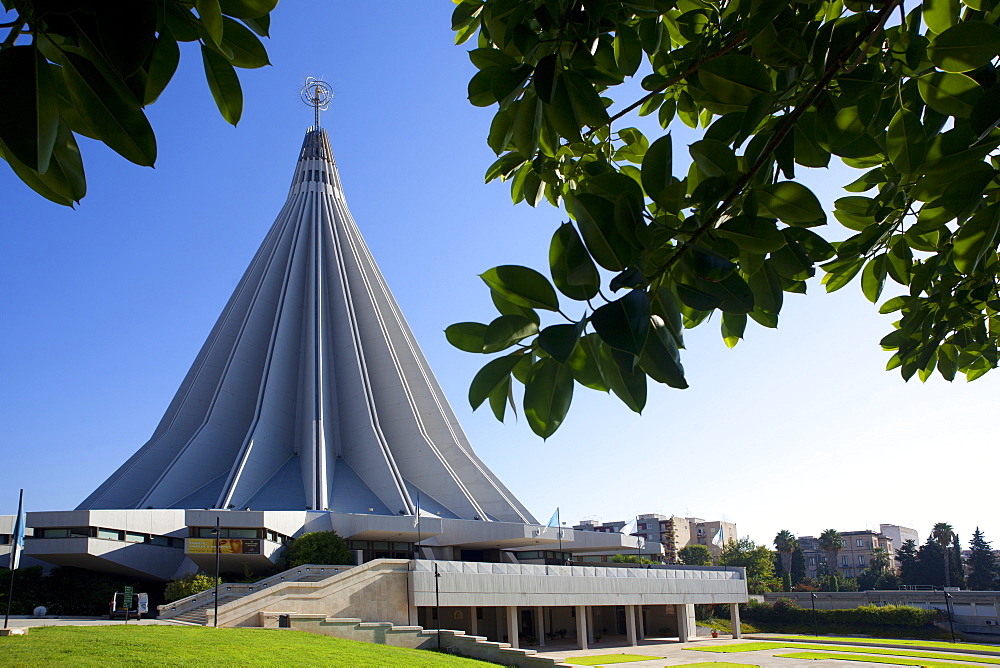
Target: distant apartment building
{"type": "Point", "coordinates": [674, 533]}
{"type": "Point", "coordinates": [855, 556]}
{"type": "Point", "coordinates": [898, 535]}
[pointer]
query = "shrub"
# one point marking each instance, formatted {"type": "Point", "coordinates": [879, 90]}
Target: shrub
{"type": "Point", "coordinates": [788, 611]}
{"type": "Point", "coordinates": [318, 547]}
{"type": "Point", "coordinates": [195, 583]}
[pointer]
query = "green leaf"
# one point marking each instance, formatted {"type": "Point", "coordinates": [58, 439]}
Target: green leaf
{"type": "Point", "coordinates": [948, 93]}
{"type": "Point", "coordinates": [587, 104]}
{"type": "Point", "coordinates": [752, 234]}
{"type": "Point", "coordinates": [841, 273]}
{"type": "Point", "coordinates": [210, 14]}
{"type": "Point", "coordinates": [792, 203]}
{"type": "Point", "coordinates": [573, 270]}
{"type": "Point", "coordinates": [507, 330]}
{"type": "Point", "coordinates": [965, 46]}
{"type": "Point", "coordinates": [873, 277]}
{"type": "Point", "coordinates": [656, 170]}
{"type": "Point", "coordinates": [522, 286]}
{"type": "Point", "coordinates": [224, 84]}
{"type": "Point", "coordinates": [713, 157]}
{"type": "Point", "coordinates": [559, 341]}
{"type": "Point", "coordinates": [260, 25]}
{"type": "Point", "coordinates": [505, 307]}
{"type": "Point", "coordinates": [628, 50]}
{"type": "Point", "coordinates": [595, 216]}
{"type": "Point", "coordinates": [625, 378]}
{"type": "Point", "coordinates": [490, 376]}
{"type": "Point", "coordinates": [624, 323]}
{"type": "Point", "coordinates": [29, 106]}
{"type": "Point", "coordinates": [162, 65]}
{"type": "Point", "coordinates": [467, 336]}
{"type": "Point", "coordinates": [248, 51]}
{"type": "Point", "coordinates": [547, 396]}
{"type": "Point", "coordinates": [499, 398]}
{"type": "Point", "coordinates": [975, 238]}
{"type": "Point", "coordinates": [906, 141]}
{"type": "Point", "coordinates": [733, 326]}
{"type": "Point", "coordinates": [734, 80]}
{"type": "Point", "coordinates": [247, 9]}
{"type": "Point", "coordinates": [986, 112]}
{"type": "Point", "coordinates": [939, 15]}
{"type": "Point", "coordinates": [766, 288]}
{"type": "Point", "coordinates": [583, 362]}
{"type": "Point", "coordinates": [110, 110]}
{"type": "Point", "coordinates": [661, 358]}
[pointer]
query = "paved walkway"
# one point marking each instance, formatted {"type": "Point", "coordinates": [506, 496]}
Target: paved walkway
{"type": "Point", "coordinates": [27, 621]}
{"type": "Point", "coordinates": [669, 652]}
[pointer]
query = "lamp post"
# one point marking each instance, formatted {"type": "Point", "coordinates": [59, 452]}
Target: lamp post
{"type": "Point", "coordinates": [216, 532]}
{"type": "Point", "coordinates": [437, 604]}
{"type": "Point", "coordinates": [812, 596]}
{"type": "Point", "coordinates": [951, 620]}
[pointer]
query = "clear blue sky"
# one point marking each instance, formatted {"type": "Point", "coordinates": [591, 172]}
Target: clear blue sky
{"type": "Point", "coordinates": [105, 307]}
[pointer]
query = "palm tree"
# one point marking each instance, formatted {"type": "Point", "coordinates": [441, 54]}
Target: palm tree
{"type": "Point", "coordinates": [881, 561]}
{"type": "Point", "coordinates": [785, 543]}
{"type": "Point", "coordinates": [831, 542]}
{"type": "Point", "coordinates": [943, 534]}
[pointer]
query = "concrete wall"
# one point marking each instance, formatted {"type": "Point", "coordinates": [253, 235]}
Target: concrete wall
{"type": "Point", "coordinates": [481, 584]}
{"type": "Point", "coordinates": [374, 591]}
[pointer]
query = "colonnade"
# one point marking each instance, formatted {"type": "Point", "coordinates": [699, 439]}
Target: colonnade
{"type": "Point", "coordinates": [510, 623]}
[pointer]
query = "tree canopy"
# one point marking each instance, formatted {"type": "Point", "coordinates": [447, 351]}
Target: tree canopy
{"type": "Point", "coordinates": [907, 95]}
{"type": "Point", "coordinates": [318, 547]}
{"type": "Point", "coordinates": [90, 67]}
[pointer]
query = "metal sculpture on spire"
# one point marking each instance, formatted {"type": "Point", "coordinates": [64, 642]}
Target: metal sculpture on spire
{"type": "Point", "coordinates": [317, 94]}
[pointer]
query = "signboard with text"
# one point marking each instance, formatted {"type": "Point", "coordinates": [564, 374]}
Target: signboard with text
{"type": "Point", "coordinates": [226, 546]}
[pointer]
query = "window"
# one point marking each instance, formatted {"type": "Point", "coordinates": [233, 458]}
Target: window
{"type": "Point", "coordinates": [812, 561]}
{"type": "Point", "coordinates": [859, 542]}
{"type": "Point", "coordinates": [844, 561]}
{"type": "Point", "coordinates": [861, 560]}
{"type": "Point", "coordinates": [131, 537]}
{"type": "Point", "coordinates": [110, 534]}
{"type": "Point", "coordinates": [55, 533]}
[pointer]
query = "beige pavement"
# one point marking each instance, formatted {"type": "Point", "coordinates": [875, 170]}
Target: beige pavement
{"type": "Point", "coordinates": [28, 621]}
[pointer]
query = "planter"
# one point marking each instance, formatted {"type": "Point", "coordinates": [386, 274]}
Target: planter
{"type": "Point", "coordinates": [715, 634]}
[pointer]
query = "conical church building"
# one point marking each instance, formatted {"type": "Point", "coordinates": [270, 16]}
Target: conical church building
{"type": "Point", "coordinates": [309, 407]}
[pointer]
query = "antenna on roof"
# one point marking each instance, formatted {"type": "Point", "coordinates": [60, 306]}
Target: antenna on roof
{"type": "Point", "coordinates": [317, 94]}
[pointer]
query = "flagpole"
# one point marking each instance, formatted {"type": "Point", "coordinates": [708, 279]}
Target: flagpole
{"type": "Point", "coordinates": [559, 528]}
{"type": "Point", "coordinates": [13, 558]}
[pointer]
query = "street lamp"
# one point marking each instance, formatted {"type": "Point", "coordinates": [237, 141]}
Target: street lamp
{"type": "Point", "coordinates": [812, 595]}
{"type": "Point", "coordinates": [951, 620]}
{"type": "Point", "coordinates": [216, 532]}
{"type": "Point", "coordinates": [437, 604]}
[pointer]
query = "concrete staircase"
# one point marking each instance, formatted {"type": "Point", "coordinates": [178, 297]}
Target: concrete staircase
{"type": "Point", "coordinates": [194, 609]}
{"type": "Point", "coordinates": [417, 637]}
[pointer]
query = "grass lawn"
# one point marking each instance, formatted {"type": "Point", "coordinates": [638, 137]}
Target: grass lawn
{"type": "Point", "coordinates": [889, 641]}
{"type": "Point", "coordinates": [606, 659]}
{"type": "Point", "coordinates": [188, 646]}
{"type": "Point", "coordinates": [872, 659]}
{"type": "Point", "coordinates": [902, 651]}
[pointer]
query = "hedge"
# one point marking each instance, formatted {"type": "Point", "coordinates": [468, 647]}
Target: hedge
{"type": "Point", "coordinates": [787, 610]}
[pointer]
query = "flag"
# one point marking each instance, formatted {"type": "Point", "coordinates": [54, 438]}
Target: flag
{"type": "Point", "coordinates": [719, 539]}
{"type": "Point", "coordinates": [416, 516]}
{"type": "Point", "coordinates": [18, 533]}
{"type": "Point", "coordinates": [554, 520]}
{"type": "Point", "coordinates": [630, 528]}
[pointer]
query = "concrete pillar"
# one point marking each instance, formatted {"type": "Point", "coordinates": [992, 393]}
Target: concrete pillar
{"type": "Point", "coordinates": [734, 620]}
{"type": "Point", "coordinates": [684, 625]}
{"type": "Point", "coordinates": [581, 627]}
{"type": "Point", "coordinates": [512, 626]}
{"type": "Point", "coordinates": [473, 621]}
{"type": "Point", "coordinates": [540, 625]}
{"type": "Point", "coordinates": [499, 623]}
{"type": "Point", "coordinates": [630, 624]}
{"type": "Point", "coordinates": [590, 623]}
{"type": "Point", "coordinates": [641, 623]}
{"type": "Point", "coordinates": [412, 615]}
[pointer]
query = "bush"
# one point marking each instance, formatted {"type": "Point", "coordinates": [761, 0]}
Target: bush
{"type": "Point", "coordinates": [195, 583]}
{"type": "Point", "coordinates": [318, 547]}
{"type": "Point", "coordinates": [788, 611]}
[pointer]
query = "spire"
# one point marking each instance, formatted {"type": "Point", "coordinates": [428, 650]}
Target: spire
{"type": "Point", "coordinates": [311, 391]}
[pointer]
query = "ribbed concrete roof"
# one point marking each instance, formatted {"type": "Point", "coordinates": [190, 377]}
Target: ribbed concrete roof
{"type": "Point", "coordinates": [311, 392]}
